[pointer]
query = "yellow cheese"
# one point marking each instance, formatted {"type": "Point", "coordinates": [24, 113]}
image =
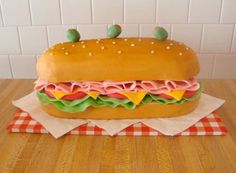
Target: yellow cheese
{"type": "Point", "coordinates": [58, 94]}
{"type": "Point", "coordinates": [93, 94]}
{"type": "Point", "coordinates": [177, 94]}
{"type": "Point", "coordinates": [135, 97]}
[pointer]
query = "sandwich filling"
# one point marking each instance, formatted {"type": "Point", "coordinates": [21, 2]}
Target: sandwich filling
{"type": "Point", "coordinates": [78, 96]}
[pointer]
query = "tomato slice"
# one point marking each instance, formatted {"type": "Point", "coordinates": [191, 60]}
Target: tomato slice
{"type": "Point", "coordinates": [189, 94]}
{"type": "Point", "coordinates": [116, 95]}
{"type": "Point", "coordinates": [78, 95]}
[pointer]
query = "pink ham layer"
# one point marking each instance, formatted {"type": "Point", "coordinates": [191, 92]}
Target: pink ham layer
{"type": "Point", "coordinates": [108, 87]}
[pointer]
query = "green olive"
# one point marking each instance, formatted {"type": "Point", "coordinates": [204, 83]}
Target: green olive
{"type": "Point", "coordinates": [114, 31]}
{"type": "Point", "coordinates": [73, 35]}
{"type": "Point", "coordinates": [160, 33]}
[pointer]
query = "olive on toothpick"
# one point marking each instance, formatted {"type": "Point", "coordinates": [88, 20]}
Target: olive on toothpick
{"type": "Point", "coordinates": [160, 33]}
{"type": "Point", "coordinates": [73, 35]}
{"type": "Point", "coordinates": [114, 31]}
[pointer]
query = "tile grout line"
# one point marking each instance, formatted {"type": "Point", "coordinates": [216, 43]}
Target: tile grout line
{"type": "Point", "coordinates": [171, 30]}
{"type": "Point", "coordinates": [139, 30]}
{"type": "Point", "coordinates": [31, 13]}
{"type": "Point", "coordinates": [47, 36]}
{"type": "Point", "coordinates": [9, 61]}
{"type": "Point", "coordinates": [124, 11]}
{"type": "Point", "coordinates": [233, 36]}
{"type": "Point", "coordinates": [31, 23]}
{"type": "Point", "coordinates": [221, 9]}
{"type": "Point", "coordinates": [189, 5]}
{"type": "Point", "coordinates": [19, 40]}
{"type": "Point", "coordinates": [91, 12]}
{"type": "Point", "coordinates": [156, 4]}
{"type": "Point", "coordinates": [202, 37]}
{"type": "Point", "coordinates": [60, 11]}
{"type": "Point", "coordinates": [3, 20]}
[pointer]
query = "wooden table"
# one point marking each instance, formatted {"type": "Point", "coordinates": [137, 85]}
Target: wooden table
{"type": "Point", "coordinates": [91, 154]}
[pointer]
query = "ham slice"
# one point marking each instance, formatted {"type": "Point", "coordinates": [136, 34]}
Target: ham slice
{"type": "Point", "coordinates": [109, 87]}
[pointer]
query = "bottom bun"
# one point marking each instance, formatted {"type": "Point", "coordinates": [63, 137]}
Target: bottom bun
{"type": "Point", "coordinates": [151, 110]}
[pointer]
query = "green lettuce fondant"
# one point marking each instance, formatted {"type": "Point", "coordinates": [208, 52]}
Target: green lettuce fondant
{"type": "Point", "coordinates": [80, 105]}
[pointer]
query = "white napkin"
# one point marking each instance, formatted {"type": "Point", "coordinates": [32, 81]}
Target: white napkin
{"type": "Point", "coordinates": [168, 126]}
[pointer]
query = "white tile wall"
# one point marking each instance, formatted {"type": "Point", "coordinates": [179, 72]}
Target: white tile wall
{"type": "Point", "coordinates": [233, 49]}
{"type": "Point", "coordinates": [1, 22]}
{"type": "Point", "coordinates": [5, 68]}
{"type": "Point", "coordinates": [192, 39]}
{"type": "Point", "coordinates": [217, 38]}
{"type": "Point", "coordinates": [9, 42]}
{"type": "Point", "coordinates": [202, 11]}
{"type": "Point", "coordinates": [172, 11]}
{"type": "Point", "coordinates": [129, 30]}
{"type": "Point", "coordinates": [33, 39]}
{"type": "Point", "coordinates": [23, 66]}
{"type": "Point", "coordinates": [225, 66]}
{"type": "Point", "coordinates": [28, 27]}
{"type": "Point", "coordinates": [140, 11]}
{"type": "Point", "coordinates": [105, 11]}
{"type": "Point", "coordinates": [228, 11]}
{"type": "Point", "coordinates": [16, 12]}
{"type": "Point", "coordinates": [45, 12]}
{"type": "Point", "coordinates": [206, 65]}
{"type": "Point", "coordinates": [92, 31]}
{"type": "Point", "coordinates": [57, 34]}
{"type": "Point", "coordinates": [76, 11]}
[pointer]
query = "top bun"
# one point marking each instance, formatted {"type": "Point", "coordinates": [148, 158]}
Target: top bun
{"type": "Point", "coordinates": [119, 59]}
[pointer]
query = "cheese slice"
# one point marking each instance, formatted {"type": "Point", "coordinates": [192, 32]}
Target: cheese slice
{"type": "Point", "coordinates": [58, 94]}
{"type": "Point", "coordinates": [135, 97]}
{"type": "Point", "coordinates": [177, 94]}
{"type": "Point", "coordinates": [93, 94]}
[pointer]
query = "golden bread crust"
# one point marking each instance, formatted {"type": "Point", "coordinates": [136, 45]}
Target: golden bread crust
{"type": "Point", "coordinates": [151, 110]}
{"type": "Point", "coordinates": [118, 59]}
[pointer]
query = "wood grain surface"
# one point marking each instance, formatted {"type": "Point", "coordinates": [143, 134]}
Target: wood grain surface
{"type": "Point", "coordinates": [92, 154]}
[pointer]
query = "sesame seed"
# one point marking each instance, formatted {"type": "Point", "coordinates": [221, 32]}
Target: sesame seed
{"type": "Point", "coordinates": [90, 54]}
{"type": "Point", "coordinates": [52, 48]}
{"type": "Point", "coordinates": [167, 47]}
{"type": "Point", "coordinates": [171, 44]}
{"type": "Point", "coordinates": [132, 45]}
{"type": "Point", "coordinates": [73, 45]}
{"type": "Point", "coordinates": [139, 39]}
{"type": "Point", "coordinates": [113, 42]}
{"type": "Point", "coordinates": [97, 42]}
{"type": "Point", "coordinates": [51, 54]}
{"type": "Point", "coordinates": [82, 42]}
{"type": "Point", "coordinates": [102, 47]}
{"type": "Point", "coordinates": [125, 39]}
{"type": "Point", "coordinates": [119, 52]}
{"type": "Point", "coordinates": [180, 54]}
{"type": "Point", "coordinates": [84, 46]}
{"type": "Point", "coordinates": [66, 53]}
{"type": "Point", "coordinates": [152, 42]}
{"type": "Point", "coordinates": [152, 51]}
{"type": "Point", "coordinates": [187, 48]}
{"type": "Point", "coordinates": [63, 48]}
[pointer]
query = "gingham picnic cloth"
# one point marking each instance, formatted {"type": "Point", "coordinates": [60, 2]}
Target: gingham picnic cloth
{"type": "Point", "coordinates": [209, 125]}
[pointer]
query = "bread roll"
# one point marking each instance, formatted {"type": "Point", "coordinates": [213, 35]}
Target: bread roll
{"type": "Point", "coordinates": [120, 59]}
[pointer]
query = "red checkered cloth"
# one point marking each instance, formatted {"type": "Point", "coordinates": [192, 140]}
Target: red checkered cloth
{"type": "Point", "coordinates": [210, 125]}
